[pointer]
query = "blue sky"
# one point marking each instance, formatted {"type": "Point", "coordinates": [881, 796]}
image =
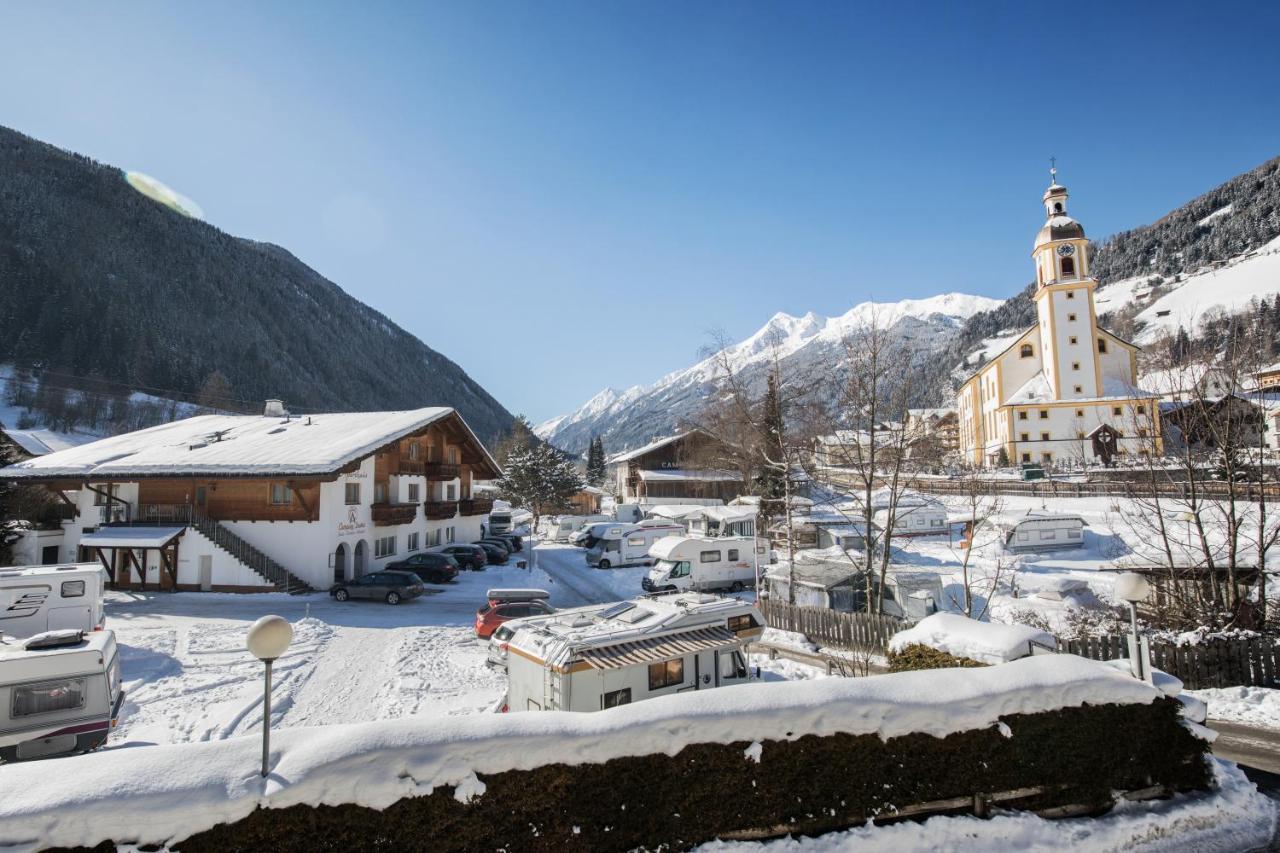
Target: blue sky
{"type": "Point", "coordinates": [564, 196]}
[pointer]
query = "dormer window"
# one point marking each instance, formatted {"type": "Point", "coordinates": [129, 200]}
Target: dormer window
{"type": "Point", "coordinates": [1027, 351]}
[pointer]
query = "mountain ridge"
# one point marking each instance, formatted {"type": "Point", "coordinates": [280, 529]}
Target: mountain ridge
{"type": "Point", "coordinates": [101, 280]}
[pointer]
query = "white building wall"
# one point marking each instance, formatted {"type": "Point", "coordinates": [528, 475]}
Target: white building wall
{"type": "Point", "coordinates": [1083, 351]}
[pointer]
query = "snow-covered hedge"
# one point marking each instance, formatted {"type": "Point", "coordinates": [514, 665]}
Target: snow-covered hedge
{"type": "Point", "coordinates": [805, 756]}
{"type": "Point", "coordinates": [985, 642]}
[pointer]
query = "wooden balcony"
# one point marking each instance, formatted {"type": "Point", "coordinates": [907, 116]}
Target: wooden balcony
{"type": "Point", "coordinates": [385, 515]}
{"type": "Point", "coordinates": [475, 506]}
{"type": "Point", "coordinates": [440, 510]}
{"type": "Point", "coordinates": [437, 471]}
{"type": "Point", "coordinates": [411, 467]}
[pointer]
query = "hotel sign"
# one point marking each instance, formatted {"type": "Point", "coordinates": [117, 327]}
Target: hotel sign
{"type": "Point", "coordinates": [352, 524]}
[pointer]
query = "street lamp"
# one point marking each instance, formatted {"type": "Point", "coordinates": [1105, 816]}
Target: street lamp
{"type": "Point", "coordinates": [1133, 587]}
{"type": "Point", "coordinates": [268, 638]}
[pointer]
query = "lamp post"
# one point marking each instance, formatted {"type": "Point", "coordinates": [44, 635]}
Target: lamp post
{"type": "Point", "coordinates": [1133, 587]}
{"type": "Point", "coordinates": [268, 638]}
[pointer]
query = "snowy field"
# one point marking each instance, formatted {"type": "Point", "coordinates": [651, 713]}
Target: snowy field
{"type": "Point", "coordinates": [188, 676]}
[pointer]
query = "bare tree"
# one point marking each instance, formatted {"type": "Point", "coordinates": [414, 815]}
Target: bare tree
{"type": "Point", "coordinates": [980, 511]}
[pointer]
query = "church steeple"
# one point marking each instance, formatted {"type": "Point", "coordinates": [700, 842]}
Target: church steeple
{"type": "Point", "coordinates": [1060, 247]}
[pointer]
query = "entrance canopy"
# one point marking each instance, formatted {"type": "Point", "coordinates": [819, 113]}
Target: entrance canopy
{"type": "Point", "coordinates": [658, 648]}
{"type": "Point", "coordinates": [131, 537]}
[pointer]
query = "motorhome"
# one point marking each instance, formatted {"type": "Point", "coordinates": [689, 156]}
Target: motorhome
{"type": "Point", "coordinates": [60, 693]}
{"type": "Point", "coordinates": [842, 585]}
{"type": "Point", "coordinates": [699, 563]}
{"type": "Point", "coordinates": [630, 546]}
{"type": "Point", "coordinates": [499, 521]}
{"type": "Point", "coordinates": [1040, 530]}
{"type": "Point", "coordinates": [35, 599]}
{"type": "Point", "coordinates": [589, 535]}
{"type": "Point", "coordinates": [723, 521]}
{"type": "Point", "coordinates": [605, 655]}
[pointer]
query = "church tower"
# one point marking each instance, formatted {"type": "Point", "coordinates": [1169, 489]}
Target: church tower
{"type": "Point", "coordinates": [1069, 340]}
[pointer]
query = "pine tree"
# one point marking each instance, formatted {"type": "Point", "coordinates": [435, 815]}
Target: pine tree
{"type": "Point", "coordinates": [518, 437]}
{"type": "Point", "coordinates": [770, 482]}
{"type": "Point", "coordinates": [595, 461]}
{"type": "Point", "coordinates": [539, 478]}
{"type": "Point", "coordinates": [9, 524]}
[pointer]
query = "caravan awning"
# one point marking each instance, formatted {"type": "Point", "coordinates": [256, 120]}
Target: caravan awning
{"type": "Point", "coordinates": [131, 537]}
{"type": "Point", "coordinates": [658, 648]}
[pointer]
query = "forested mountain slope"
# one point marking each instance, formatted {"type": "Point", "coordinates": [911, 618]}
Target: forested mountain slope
{"type": "Point", "coordinates": [98, 279]}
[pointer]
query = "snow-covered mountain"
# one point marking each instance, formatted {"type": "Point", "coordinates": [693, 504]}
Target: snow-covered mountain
{"type": "Point", "coordinates": [805, 344]}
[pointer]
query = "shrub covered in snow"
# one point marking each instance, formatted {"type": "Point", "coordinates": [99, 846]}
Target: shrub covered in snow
{"type": "Point", "coordinates": [986, 642]}
{"type": "Point", "coordinates": [920, 656]}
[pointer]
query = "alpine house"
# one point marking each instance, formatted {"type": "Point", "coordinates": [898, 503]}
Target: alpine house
{"type": "Point", "coordinates": [251, 503]}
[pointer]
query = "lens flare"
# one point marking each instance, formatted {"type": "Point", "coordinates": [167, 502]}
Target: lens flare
{"type": "Point", "coordinates": [157, 191]}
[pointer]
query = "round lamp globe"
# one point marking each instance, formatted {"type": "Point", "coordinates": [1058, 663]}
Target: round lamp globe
{"type": "Point", "coordinates": [1132, 587]}
{"type": "Point", "coordinates": [269, 637]}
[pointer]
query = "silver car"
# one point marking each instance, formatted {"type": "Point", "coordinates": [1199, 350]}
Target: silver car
{"type": "Point", "coordinates": [497, 654]}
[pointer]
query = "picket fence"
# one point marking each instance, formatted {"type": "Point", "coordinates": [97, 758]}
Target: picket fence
{"type": "Point", "coordinates": [1212, 663]}
{"type": "Point", "coordinates": [861, 631]}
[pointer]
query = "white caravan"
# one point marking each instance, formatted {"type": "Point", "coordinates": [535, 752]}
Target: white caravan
{"type": "Point", "coordinates": [559, 529]}
{"type": "Point", "coordinates": [1040, 530]}
{"type": "Point", "coordinates": [630, 546]}
{"type": "Point", "coordinates": [689, 562]}
{"type": "Point", "coordinates": [605, 655]}
{"type": "Point", "coordinates": [915, 515]}
{"type": "Point", "coordinates": [59, 693]}
{"type": "Point", "coordinates": [35, 599]}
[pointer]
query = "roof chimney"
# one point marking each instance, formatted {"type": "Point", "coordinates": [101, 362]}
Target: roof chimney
{"type": "Point", "coordinates": [274, 409]}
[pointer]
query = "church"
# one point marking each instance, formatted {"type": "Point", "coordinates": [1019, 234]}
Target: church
{"type": "Point", "coordinates": [1065, 390]}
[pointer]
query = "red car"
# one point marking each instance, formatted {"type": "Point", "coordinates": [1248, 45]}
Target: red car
{"type": "Point", "coordinates": [504, 605]}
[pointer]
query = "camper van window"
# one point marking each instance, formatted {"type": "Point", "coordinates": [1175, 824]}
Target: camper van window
{"type": "Point", "coordinates": [669, 674]}
{"type": "Point", "coordinates": [1073, 534]}
{"type": "Point", "coordinates": [47, 697]}
{"type": "Point", "coordinates": [709, 557]}
{"type": "Point", "coordinates": [635, 540]}
{"type": "Point", "coordinates": [733, 554]}
{"type": "Point", "coordinates": [614, 698]}
{"type": "Point", "coordinates": [72, 589]}
{"type": "Point", "coordinates": [1047, 534]}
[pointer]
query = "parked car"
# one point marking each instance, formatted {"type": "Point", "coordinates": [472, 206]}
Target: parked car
{"type": "Point", "coordinates": [515, 542]}
{"type": "Point", "coordinates": [389, 586]}
{"type": "Point", "coordinates": [499, 543]}
{"type": "Point", "coordinates": [468, 556]}
{"type": "Point", "coordinates": [496, 555]}
{"type": "Point", "coordinates": [432, 568]}
{"type": "Point", "coordinates": [504, 605]}
{"type": "Point", "coordinates": [497, 653]}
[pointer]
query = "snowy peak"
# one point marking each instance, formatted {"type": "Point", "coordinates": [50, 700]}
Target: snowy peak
{"type": "Point", "coordinates": [639, 412]}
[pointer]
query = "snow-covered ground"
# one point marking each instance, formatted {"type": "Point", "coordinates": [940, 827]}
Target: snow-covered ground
{"type": "Point", "coordinates": [1250, 706]}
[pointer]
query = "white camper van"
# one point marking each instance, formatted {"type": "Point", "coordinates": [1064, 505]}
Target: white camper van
{"type": "Point", "coordinates": [35, 599]}
{"type": "Point", "coordinates": [59, 693]}
{"type": "Point", "coordinates": [630, 545]}
{"type": "Point", "coordinates": [605, 655]}
{"type": "Point", "coordinates": [688, 562]}
{"type": "Point", "coordinates": [559, 529]}
{"type": "Point", "coordinates": [500, 521]}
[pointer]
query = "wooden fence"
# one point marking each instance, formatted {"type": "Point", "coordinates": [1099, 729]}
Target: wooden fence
{"type": "Point", "coordinates": [1117, 489]}
{"type": "Point", "coordinates": [1213, 663]}
{"type": "Point", "coordinates": [863, 631]}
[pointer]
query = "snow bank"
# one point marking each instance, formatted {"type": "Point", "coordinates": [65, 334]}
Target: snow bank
{"type": "Point", "coordinates": [161, 794]}
{"type": "Point", "coordinates": [1250, 706]}
{"type": "Point", "coordinates": [961, 636]}
{"type": "Point", "coordinates": [1234, 817]}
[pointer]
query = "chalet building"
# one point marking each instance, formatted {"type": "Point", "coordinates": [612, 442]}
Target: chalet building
{"type": "Point", "coordinates": [1207, 424]}
{"type": "Point", "coordinates": [1268, 378]}
{"type": "Point", "coordinates": [587, 501]}
{"type": "Point", "coordinates": [687, 466]}
{"type": "Point", "coordinates": [252, 503]}
{"type": "Point", "coordinates": [1065, 378]}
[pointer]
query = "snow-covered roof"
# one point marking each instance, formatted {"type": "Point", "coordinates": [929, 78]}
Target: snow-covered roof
{"type": "Point", "coordinates": [826, 574]}
{"type": "Point", "coordinates": [728, 514]}
{"type": "Point", "coordinates": [559, 638]}
{"type": "Point", "coordinates": [1010, 520]}
{"type": "Point", "coordinates": [672, 511]}
{"type": "Point", "coordinates": [240, 445]}
{"type": "Point", "coordinates": [987, 642]}
{"type": "Point", "coordinates": [688, 475]}
{"type": "Point", "coordinates": [40, 442]}
{"type": "Point", "coordinates": [130, 537]}
{"type": "Point", "coordinates": [1037, 390]}
{"type": "Point", "coordinates": [628, 455]}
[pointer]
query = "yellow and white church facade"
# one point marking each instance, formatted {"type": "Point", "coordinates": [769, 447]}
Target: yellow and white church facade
{"type": "Point", "coordinates": [1063, 381]}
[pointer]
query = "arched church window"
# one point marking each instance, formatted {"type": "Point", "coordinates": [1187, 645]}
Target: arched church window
{"type": "Point", "coordinates": [1068, 267]}
{"type": "Point", "coordinates": [1057, 207]}
{"type": "Point", "coordinates": [1027, 351]}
